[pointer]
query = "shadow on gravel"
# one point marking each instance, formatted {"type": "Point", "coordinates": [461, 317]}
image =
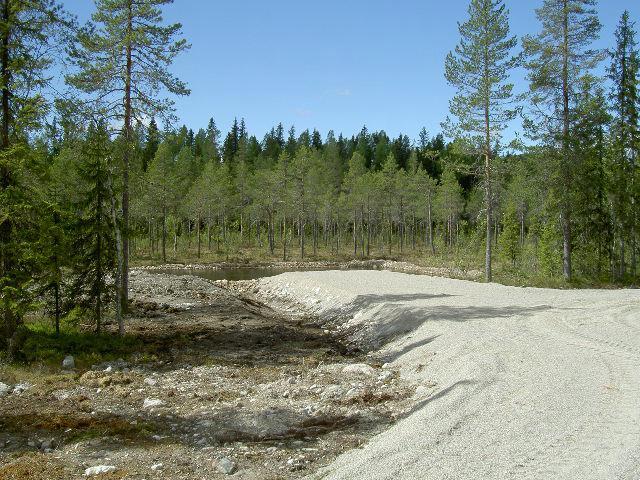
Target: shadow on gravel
{"type": "Point", "coordinates": [436, 396]}
{"type": "Point", "coordinates": [407, 348]}
{"type": "Point", "coordinates": [364, 301]}
{"type": "Point", "coordinates": [396, 319]}
{"type": "Point", "coordinates": [463, 314]}
{"type": "Point", "coordinates": [226, 425]}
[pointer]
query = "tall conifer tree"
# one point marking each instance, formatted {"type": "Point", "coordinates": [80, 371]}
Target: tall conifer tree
{"type": "Point", "coordinates": [557, 59]}
{"type": "Point", "coordinates": [123, 60]}
{"type": "Point", "coordinates": [623, 73]}
{"type": "Point", "coordinates": [28, 40]}
{"type": "Point", "coordinates": [479, 68]}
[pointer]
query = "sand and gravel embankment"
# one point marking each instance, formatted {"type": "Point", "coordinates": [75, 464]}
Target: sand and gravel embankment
{"type": "Point", "coordinates": [515, 383]}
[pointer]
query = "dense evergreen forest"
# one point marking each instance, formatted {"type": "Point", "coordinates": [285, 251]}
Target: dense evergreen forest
{"type": "Point", "coordinates": [100, 176]}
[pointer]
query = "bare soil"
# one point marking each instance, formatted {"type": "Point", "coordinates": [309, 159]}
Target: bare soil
{"type": "Point", "coordinates": [221, 378]}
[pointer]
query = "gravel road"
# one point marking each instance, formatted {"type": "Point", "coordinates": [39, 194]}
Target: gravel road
{"type": "Point", "coordinates": [517, 383]}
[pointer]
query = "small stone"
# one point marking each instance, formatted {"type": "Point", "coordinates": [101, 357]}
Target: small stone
{"type": "Point", "coordinates": [99, 470]}
{"type": "Point", "coordinates": [421, 391]}
{"type": "Point", "coordinates": [152, 382]}
{"type": "Point", "coordinates": [21, 387]}
{"type": "Point", "coordinates": [68, 363]}
{"type": "Point", "coordinates": [152, 402]}
{"type": "Point", "coordinates": [47, 444]}
{"type": "Point", "coordinates": [226, 466]}
{"type": "Point", "coordinates": [4, 389]}
{"type": "Point", "coordinates": [157, 466]}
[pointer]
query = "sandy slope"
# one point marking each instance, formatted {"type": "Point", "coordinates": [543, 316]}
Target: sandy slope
{"type": "Point", "coordinates": [519, 382]}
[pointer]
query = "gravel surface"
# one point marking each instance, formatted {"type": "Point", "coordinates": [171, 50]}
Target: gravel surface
{"type": "Point", "coordinates": [515, 382]}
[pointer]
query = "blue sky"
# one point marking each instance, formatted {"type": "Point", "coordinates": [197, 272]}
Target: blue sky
{"type": "Point", "coordinates": [329, 65]}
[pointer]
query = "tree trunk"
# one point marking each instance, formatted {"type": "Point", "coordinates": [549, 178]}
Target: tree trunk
{"type": "Point", "coordinates": [284, 239]}
{"type": "Point", "coordinates": [6, 259]}
{"type": "Point", "coordinates": [488, 274]}
{"type": "Point", "coordinates": [164, 235]}
{"type": "Point", "coordinates": [198, 233]}
{"type": "Point", "coordinates": [301, 230]}
{"type": "Point", "coordinates": [368, 229]}
{"type": "Point", "coordinates": [565, 209]}
{"type": "Point", "coordinates": [119, 275]}
{"type": "Point", "coordinates": [127, 150]}
{"type": "Point", "coordinates": [56, 291]}
{"type": "Point", "coordinates": [430, 220]}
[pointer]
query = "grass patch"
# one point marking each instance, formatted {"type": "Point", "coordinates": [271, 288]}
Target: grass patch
{"type": "Point", "coordinates": [42, 345]}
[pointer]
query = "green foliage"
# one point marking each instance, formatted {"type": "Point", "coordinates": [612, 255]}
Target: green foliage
{"type": "Point", "coordinates": [509, 239]}
{"type": "Point", "coordinates": [549, 248]}
{"type": "Point", "coordinates": [135, 27]}
{"type": "Point", "coordinates": [94, 243]}
{"type": "Point", "coordinates": [43, 345]}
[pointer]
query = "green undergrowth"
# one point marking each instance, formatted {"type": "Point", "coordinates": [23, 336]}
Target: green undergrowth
{"type": "Point", "coordinates": [42, 345]}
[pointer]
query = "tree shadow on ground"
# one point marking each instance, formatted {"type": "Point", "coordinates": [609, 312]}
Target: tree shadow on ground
{"type": "Point", "coordinates": [398, 319]}
{"type": "Point", "coordinates": [365, 301]}
{"type": "Point", "coordinates": [407, 348]}
{"type": "Point", "coordinates": [440, 394]}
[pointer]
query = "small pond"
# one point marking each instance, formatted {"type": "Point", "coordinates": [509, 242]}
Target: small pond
{"type": "Point", "coordinates": [234, 274]}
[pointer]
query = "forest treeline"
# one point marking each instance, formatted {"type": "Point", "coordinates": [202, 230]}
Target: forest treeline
{"type": "Point", "coordinates": [80, 196]}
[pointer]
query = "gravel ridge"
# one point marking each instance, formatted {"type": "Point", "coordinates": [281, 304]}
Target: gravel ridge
{"type": "Point", "coordinates": [529, 383]}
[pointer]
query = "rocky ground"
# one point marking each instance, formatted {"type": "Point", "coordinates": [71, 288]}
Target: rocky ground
{"type": "Point", "coordinates": [223, 386]}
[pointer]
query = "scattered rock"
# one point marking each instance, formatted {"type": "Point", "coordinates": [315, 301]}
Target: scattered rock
{"type": "Point", "coordinates": [152, 382]}
{"type": "Point", "coordinates": [359, 369]}
{"type": "Point", "coordinates": [68, 363]}
{"type": "Point", "coordinates": [157, 466]}
{"type": "Point", "coordinates": [47, 445]}
{"type": "Point", "coordinates": [422, 391]}
{"type": "Point", "coordinates": [4, 389]}
{"type": "Point", "coordinates": [152, 402]}
{"type": "Point", "coordinates": [21, 387]}
{"type": "Point", "coordinates": [99, 470]}
{"type": "Point", "coordinates": [226, 466]}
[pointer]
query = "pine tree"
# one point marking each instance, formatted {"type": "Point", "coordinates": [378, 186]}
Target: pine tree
{"type": "Point", "coordinates": [449, 203]}
{"type": "Point", "coordinates": [122, 60]}
{"type": "Point", "coordinates": [557, 59]}
{"type": "Point", "coordinates": [479, 68]}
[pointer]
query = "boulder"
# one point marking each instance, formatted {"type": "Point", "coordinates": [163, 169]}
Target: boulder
{"type": "Point", "coordinates": [99, 470]}
{"type": "Point", "coordinates": [226, 466]}
{"type": "Point", "coordinates": [68, 363]}
{"type": "Point", "coordinates": [152, 402]}
{"type": "Point", "coordinates": [4, 389]}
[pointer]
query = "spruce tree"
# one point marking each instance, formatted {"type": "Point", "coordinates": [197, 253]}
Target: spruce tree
{"type": "Point", "coordinates": [557, 58]}
{"type": "Point", "coordinates": [151, 144]}
{"type": "Point", "coordinates": [625, 132]}
{"type": "Point", "coordinates": [479, 69]}
{"type": "Point", "coordinates": [29, 36]}
{"type": "Point", "coordinates": [94, 243]}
